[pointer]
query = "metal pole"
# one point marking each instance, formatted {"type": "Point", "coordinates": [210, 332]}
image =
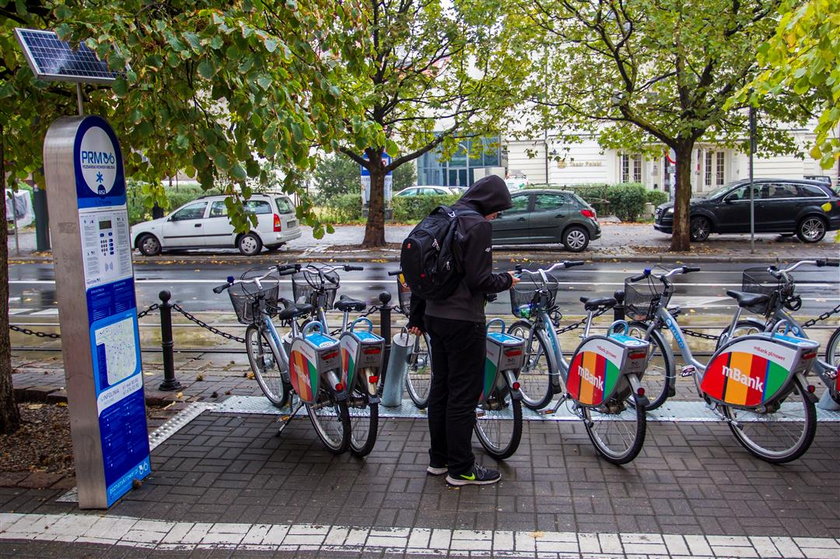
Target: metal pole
{"type": "Point", "coordinates": [14, 218]}
{"type": "Point", "coordinates": [385, 328]}
{"type": "Point", "coordinates": [618, 309]}
{"type": "Point", "coordinates": [752, 193]}
{"type": "Point", "coordinates": [169, 382]}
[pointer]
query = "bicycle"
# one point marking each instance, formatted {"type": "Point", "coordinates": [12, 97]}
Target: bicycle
{"type": "Point", "coordinates": [308, 370]}
{"type": "Point", "coordinates": [756, 383]}
{"type": "Point", "coordinates": [602, 374]}
{"type": "Point", "coordinates": [362, 351]}
{"type": "Point", "coordinates": [418, 379]}
{"type": "Point", "coordinates": [779, 289]}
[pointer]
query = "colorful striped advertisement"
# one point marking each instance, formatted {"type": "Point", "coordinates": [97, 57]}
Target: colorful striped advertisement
{"type": "Point", "coordinates": [304, 371]}
{"type": "Point", "coordinates": [749, 372]}
{"type": "Point", "coordinates": [594, 372]}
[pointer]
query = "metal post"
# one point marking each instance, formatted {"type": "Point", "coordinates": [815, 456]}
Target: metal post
{"type": "Point", "coordinates": [14, 219]}
{"type": "Point", "coordinates": [169, 382]}
{"type": "Point", "coordinates": [618, 309]}
{"type": "Point", "coordinates": [752, 194]}
{"type": "Point", "coordinates": [385, 327]}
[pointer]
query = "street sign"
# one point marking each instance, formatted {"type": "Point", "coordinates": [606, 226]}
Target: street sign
{"type": "Point", "coordinates": [389, 181]}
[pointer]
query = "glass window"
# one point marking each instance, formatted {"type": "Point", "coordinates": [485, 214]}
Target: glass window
{"type": "Point", "coordinates": [520, 204]}
{"type": "Point", "coordinates": [284, 205]}
{"type": "Point", "coordinates": [218, 209]}
{"type": "Point", "coordinates": [258, 207]}
{"type": "Point", "coordinates": [191, 211]}
{"type": "Point", "coordinates": [631, 167]}
{"type": "Point", "coordinates": [719, 169]}
{"type": "Point", "coordinates": [707, 175]}
{"type": "Point", "coordinates": [782, 190]}
{"type": "Point", "coordinates": [811, 191]}
{"type": "Point", "coordinates": [544, 202]}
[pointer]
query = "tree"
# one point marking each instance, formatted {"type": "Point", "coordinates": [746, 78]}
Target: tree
{"type": "Point", "coordinates": [435, 73]}
{"type": "Point", "coordinates": [212, 87]}
{"type": "Point", "coordinates": [647, 73]}
{"type": "Point", "coordinates": [337, 175]}
{"type": "Point", "coordinates": [803, 57]}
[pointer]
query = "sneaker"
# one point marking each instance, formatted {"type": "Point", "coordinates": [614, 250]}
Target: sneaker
{"type": "Point", "coordinates": [435, 471]}
{"type": "Point", "coordinates": [478, 476]}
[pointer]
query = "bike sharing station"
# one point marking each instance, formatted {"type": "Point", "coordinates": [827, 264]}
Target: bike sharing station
{"type": "Point", "coordinates": [94, 282]}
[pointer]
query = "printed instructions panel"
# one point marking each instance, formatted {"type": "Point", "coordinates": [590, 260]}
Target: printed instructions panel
{"type": "Point", "coordinates": [106, 246]}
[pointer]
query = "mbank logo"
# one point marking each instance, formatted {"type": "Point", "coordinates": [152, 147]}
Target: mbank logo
{"type": "Point", "coordinates": [738, 376]}
{"type": "Point", "coordinates": [98, 158]}
{"type": "Point", "coordinates": [590, 378]}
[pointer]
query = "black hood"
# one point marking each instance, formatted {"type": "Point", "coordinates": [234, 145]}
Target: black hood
{"type": "Point", "coordinates": [487, 195]}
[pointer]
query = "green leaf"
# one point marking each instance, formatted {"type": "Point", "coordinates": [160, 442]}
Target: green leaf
{"type": "Point", "coordinates": [238, 172]}
{"type": "Point", "coordinates": [206, 69]}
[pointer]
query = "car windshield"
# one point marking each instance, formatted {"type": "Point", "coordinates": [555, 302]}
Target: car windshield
{"type": "Point", "coordinates": [718, 192]}
{"type": "Point", "coordinates": [284, 205]}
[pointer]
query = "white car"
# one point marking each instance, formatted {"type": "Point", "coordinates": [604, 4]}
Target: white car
{"type": "Point", "coordinates": [427, 191]}
{"type": "Point", "coordinates": [204, 223]}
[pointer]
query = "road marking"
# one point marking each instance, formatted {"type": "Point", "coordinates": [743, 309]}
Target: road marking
{"type": "Point", "coordinates": [162, 535]}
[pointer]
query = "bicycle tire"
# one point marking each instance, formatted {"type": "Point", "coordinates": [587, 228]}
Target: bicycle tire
{"type": "Point", "coordinates": [659, 378]}
{"type": "Point", "coordinates": [331, 420]}
{"type": "Point", "coordinates": [832, 357]}
{"type": "Point", "coordinates": [767, 428]}
{"type": "Point", "coordinates": [364, 421]}
{"type": "Point", "coordinates": [500, 430]}
{"type": "Point", "coordinates": [743, 327]}
{"type": "Point", "coordinates": [266, 366]}
{"type": "Point", "coordinates": [534, 377]}
{"type": "Point", "coordinates": [418, 378]}
{"type": "Point", "coordinates": [618, 434]}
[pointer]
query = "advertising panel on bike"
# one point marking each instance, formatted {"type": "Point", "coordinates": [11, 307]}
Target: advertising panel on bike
{"type": "Point", "coordinates": [309, 355]}
{"type": "Point", "coordinates": [752, 370]}
{"type": "Point", "coordinates": [504, 353]}
{"type": "Point", "coordinates": [361, 350]}
{"type": "Point", "coordinates": [598, 365]}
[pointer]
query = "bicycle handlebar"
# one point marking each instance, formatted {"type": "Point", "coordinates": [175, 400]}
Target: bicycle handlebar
{"type": "Point", "coordinates": [664, 277]}
{"type": "Point", "coordinates": [556, 266]}
{"type": "Point", "coordinates": [778, 273]}
{"type": "Point", "coordinates": [232, 281]}
{"type": "Point", "coordinates": [394, 272]}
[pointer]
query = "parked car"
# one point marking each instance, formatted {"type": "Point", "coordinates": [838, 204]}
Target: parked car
{"type": "Point", "coordinates": [427, 191]}
{"type": "Point", "coordinates": [204, 223]}
{"type": "Point", "coordinates": [789, 206]}
{"type": "Point", "coordinates": [547, 216]}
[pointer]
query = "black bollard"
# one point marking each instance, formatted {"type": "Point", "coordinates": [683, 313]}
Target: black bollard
{"type": "Point", "coordinates": [385, 328]}
{"type": "Point", "coordinates": [169, 382]}
{"type": "Point", "coordinates": [618, 309]}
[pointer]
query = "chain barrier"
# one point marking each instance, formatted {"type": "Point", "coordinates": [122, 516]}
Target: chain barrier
{"type": "Point", "coordinates": [206, 326]}
{"type": "Point", "coordinates": [153, 307]}
{"type": "Point", "coordinates": [54, 336]}
{"type": "Point", "coordinates": [701, 335]}
{"type": "Point", "coordinates": [823, 316]}
{"type": "Point", "coordinates": [571, 327]}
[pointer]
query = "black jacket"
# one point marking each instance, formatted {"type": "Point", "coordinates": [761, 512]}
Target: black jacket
{"type": "Point", "coordinates": [486, 196]}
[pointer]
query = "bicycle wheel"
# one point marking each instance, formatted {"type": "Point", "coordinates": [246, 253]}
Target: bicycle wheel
{"type": "Point", "coordinates": [364, 421]}
{"type": "Point", "coordinates": [498, 425]}
{"type": "Point", "coordinates": [832, 356]}
{"type": "Point", "coordinates": [418, 379]}
{"type": "Point", "coordinates": [266, 366]}
{"type": "Point", "coordinates": [743, 327]}
{"type": "Point", "coordinates": [331, 420]}
{"type": "Point", "coordinates": [660, 374]}
{"type": "Point", "coordinates": [616, 429]}
{"type": "Point", "coordinates": [534, 379]}
{"type": "Point", "coordinates": [779, 435]}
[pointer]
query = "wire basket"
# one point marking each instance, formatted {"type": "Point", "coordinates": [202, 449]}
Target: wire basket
{"type": "Point", "coordinates": [245, 300]}
{"type": "Point", "coordinates": [308, 288]}
{"type": "Point", "coordinates": [642, 298]}
{"type": "Point", "coordinates": [759, 280]}
{"type": "Point", "coordinates": [531, 295]}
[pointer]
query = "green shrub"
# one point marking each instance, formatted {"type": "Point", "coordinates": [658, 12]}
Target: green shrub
{"type": "Point", "coordinates": [657, 197]}
{"type": "Point", "coordinates": [345, 208]}
{"type": "Point", "coordinates": [411, 209]}
{"type": "Point", "coordinates": [627, 201]}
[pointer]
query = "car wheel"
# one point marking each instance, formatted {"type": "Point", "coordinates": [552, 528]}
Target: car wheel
{"type": "Point", "coordinates": [249, 244]}
{"type": "Point", "coordinates": [700, 229]}
{"type": "Point", "coordinates": [575, 239]}
{"type": "Point", "coordinates": [811, 229]}
{"type": "Point", "coordinates": [148, 245]}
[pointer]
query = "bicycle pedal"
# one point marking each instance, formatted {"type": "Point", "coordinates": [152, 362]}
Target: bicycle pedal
{"type": "Point", "coordinates": [547, 411]}
{"type": "Point", "coordinates": [688, 371]}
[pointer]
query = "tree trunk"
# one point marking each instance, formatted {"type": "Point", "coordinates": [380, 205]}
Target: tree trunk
{"type": "Point", "coordinates": [9, 414]}
{"type": "Point", "coordinates": [681, 238]}
{"type": "Point", "coordinates": [375, 228]}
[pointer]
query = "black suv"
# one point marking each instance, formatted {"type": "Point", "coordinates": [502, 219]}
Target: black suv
{"type": "Point", "coordinates": [788, 206]}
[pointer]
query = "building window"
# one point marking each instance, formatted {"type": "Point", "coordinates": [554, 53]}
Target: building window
{"type": "Point", "coordinates": [707, 178]}
{"type": "Point", "coordinates": [631, 167]}
{"type": "Point", "coordinates": [459, 170]}
{"type": "Point", "coordinates": [719, 174]}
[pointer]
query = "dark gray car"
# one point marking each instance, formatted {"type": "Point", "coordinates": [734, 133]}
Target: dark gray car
{"type": "Point", "coordinates": [547, 216]}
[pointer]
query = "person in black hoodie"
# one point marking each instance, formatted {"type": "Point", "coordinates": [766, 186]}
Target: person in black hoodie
{"type": "Point", "coordinates": [456, 327]}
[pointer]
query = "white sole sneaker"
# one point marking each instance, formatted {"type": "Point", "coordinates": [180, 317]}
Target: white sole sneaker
{"type": "Point", "coordinates": [432, 471]}
{"type": "Point", "coordinates": [460, 482]}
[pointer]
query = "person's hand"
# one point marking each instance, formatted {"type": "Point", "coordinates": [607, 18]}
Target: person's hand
{"type": "Point", "coordinates": [415, 330]}
{"type": "Point", "coordinates": [514, 279]}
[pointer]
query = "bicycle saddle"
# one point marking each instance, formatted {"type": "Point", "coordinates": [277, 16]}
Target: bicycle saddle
{"type": "Point", "coordinates": [592, 304]}
{"type": "Point", "coordinates": [345, 303]}
{"type": "Point", "coordinates": [293, 310]}
{"type": "Point", "coordinates": [748, 299]}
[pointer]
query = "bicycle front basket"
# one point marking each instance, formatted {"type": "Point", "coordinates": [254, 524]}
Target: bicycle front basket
{"type": "Point", "coordinates": [245, 301]}
{"type": "Point", "coordinates": [531, 295]}
{"type": "Point", "coordinates": [759, 280]}
{"type": "Point", "coordinates": [641, 298]}
{"type": "Point", "coordinates": [305, 289]}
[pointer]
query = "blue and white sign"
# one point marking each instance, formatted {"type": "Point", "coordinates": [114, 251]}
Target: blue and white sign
{"type": "Point", "coordinates": [112, 308]}
{"type": "Point", "coordinates": [389, 180]}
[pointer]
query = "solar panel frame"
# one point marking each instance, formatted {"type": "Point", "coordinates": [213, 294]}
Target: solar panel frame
{"type": "Point", "coordinates": [53, 59]}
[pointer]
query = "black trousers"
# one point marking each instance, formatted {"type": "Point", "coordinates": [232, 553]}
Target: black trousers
{"type": "Point", "coordinates": [458, 350]}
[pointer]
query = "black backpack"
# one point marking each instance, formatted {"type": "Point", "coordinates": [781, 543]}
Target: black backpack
{"type": "Point", "coordinates": [429, 259]}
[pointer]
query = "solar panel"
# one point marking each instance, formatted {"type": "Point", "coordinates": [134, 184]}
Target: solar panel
{"type": "Point", "coordinates": [52, 59]}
